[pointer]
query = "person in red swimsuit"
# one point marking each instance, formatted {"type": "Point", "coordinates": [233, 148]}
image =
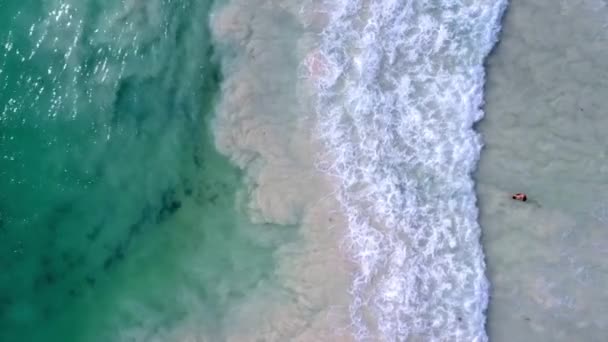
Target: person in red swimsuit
{"type": "Point", "coordinates": [520, 197]}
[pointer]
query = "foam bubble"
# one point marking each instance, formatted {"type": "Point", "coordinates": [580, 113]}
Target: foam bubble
{"type": "Point", "coordinates": [400, 88]}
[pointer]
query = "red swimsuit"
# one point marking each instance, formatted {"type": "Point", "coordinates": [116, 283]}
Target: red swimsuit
{"type": "Point", "coordinates": [520, 197]}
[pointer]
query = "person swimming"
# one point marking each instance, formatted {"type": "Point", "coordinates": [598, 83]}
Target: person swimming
{"type": "Point", "coordinates": [520, 197]}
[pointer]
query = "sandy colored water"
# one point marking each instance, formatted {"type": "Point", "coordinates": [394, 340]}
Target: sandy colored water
{"type": "Point", "coordinates": [544, 134]}
{"type": "Point", "coordinates": [264, 125]}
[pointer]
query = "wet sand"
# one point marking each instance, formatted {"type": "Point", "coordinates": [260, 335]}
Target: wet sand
{"type": "Point", "coordinates": [544, 134]}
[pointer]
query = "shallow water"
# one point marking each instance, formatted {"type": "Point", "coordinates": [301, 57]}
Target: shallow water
{"type": "Point", "coordinates": [264, 124]}
{"type": "Point", "coordinates": [544, 135]}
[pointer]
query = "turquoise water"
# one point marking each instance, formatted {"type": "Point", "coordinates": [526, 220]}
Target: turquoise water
{"type": "Point", "coordinates": [118, 216]}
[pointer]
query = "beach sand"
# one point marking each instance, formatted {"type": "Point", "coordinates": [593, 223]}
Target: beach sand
{"type": "Point", "coordinates": [544, 135]}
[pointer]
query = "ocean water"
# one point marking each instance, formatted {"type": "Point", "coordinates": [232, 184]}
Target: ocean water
{"type": "Point", "coordinates": [264, 124]}
{"type": "Point", "coordinates": [282, 170]}
{"type": "Point", "coordinates": [117, 214]}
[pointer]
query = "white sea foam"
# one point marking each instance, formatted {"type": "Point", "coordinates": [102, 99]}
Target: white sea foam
{"type": "Point", "coordinates": [400, 86]}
